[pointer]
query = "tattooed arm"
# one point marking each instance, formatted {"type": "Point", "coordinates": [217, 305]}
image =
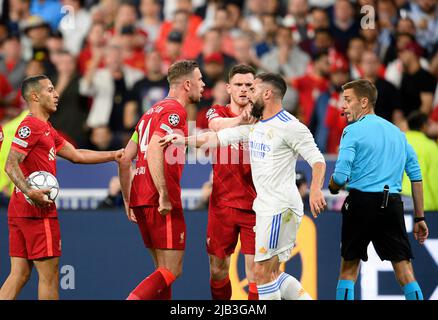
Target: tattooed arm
{"type": "Point", "coordinates": [12, 168]}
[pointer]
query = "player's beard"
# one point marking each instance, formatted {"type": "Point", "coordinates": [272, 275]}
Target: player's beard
{"type": "Point", "coordinates": [257, 109]}
{"type": "Point", "coordinates": [194, 99]}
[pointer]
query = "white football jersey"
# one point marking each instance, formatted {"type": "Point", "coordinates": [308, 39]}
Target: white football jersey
{"type": "Point", "coordinates": [274, 146]}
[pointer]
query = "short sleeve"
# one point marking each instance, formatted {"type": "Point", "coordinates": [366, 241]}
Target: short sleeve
{"type": "Point", "coordinates": [233, 135]}
{"type": "Point", "coordinates": [214, 112]}
{"type": "Point", "coordinates": [26, 136]}
{"type": "Point", "coordinates": [412, 167]}
{"type": "Point", "coordinates": [171, 121]}
{"type": "Point", "coordinates": [59, 141]}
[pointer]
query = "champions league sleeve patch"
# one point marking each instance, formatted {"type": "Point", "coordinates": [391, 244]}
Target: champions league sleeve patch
{"type": "Point", "coordinates": [24, 132]}
{"type": "Point", "coordinates": [211, 114]}
{"type": "Point", "coordinates": [174, 119]}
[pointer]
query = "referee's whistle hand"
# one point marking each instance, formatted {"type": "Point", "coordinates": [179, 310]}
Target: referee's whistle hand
{"type": "Point", "coordinates": [317, 202]}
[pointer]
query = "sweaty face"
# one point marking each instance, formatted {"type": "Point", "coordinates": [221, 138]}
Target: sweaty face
{"type": "Point", "coordinates": [240, 88]}
{"type": "Point", "coordinates": [197, 86]}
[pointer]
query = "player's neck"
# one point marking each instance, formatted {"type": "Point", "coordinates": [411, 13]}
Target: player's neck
{"type": "Point", "coordinates": [271, 110]}
{"type": "Point", "coordinates": [39, 115]}
{"type": "Point", "coordinates": [236, 109]}
{"type": "Point", "coordinates": [180, 98]}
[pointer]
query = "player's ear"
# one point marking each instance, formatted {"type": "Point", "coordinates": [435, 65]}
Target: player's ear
{"type": "Point", "coordinates": [187, 84]}
{"type": "Point", "coordinates": [228, 87]}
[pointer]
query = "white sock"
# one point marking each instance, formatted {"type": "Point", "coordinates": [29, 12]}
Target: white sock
{"type": "Point", "coordinates": [291, 288]}
{"type": "Point", "coordinates": [269, 291]}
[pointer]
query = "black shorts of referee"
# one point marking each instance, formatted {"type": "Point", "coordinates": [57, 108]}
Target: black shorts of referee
{"type": "Point", "coordinates": [364, 221]}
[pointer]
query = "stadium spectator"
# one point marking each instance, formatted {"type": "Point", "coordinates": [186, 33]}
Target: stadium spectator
{"type": "Point", "coordinates": [267, 41]}
{"type": "Point", "coordinates": [150, 21]}
{"type": "Point", "coordinates": [424, 13]}
{"type": "Point", "coordinates": [93, 48]}
{"type": "Point", "coordinates": [132, 55]}
{"type": "Point", "coordinates": [327, 122]}
{"type": "Point", "coordinates": [37, 31]}
{"type": "Point", "coordinates": [147, 91]}
{"type": "Point", "coordinates": [185, 23]}
{"type": "Point", "coordinates": [244, 52]}
{"type": "Point", "coordinates": [311, 85]}
{"type": "Point", "coordinates": [173, 51]}
{"type": "Point", "coordinates": [394, 70]}
{"type": "Point", "coordinates": [343, 25]}
{"type": "Point", "coordinates": [355, 48]}
{"type": "Point", "coordinates": [12, 64]}
{"type": "Point", "coordinates": [19, 11]}
{"type": "Point", "coordinates": [404, 26]}
{"type": "Point", "coordinates": [75, 25]}
{"type": "Point", "coordinates": [286, 58]}
{"type": "Point", "coordinates": [213, 71]}
{"type": "Point", "coordinates": [109, 88]}
{"type": "Point", "coordinates": [71, 115]}
{"type": "Point", "coordinates": [388, 104]}
{"type": "Point", "coordinates": [417, 85]}
{"type": "Point", "coordinates": [213, 43]}
{"type": "Point", "coordinates": [369, 213]}
{"type": "Point", "coordinates": [298, 19]}
{"type": "Point", "coordinates": [427, 155]}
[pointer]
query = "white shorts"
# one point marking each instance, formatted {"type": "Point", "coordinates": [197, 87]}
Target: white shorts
{"type": "Point", "coordinates": [276, 235]}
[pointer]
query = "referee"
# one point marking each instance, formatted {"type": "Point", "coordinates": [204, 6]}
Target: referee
{"type": "Point", "coordinates": [373, 155]}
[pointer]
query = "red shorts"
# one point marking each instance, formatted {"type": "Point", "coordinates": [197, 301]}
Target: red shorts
{"type": "Point", "coordinates": [34, 238]}
{"type": "Point", "coordinates": [161, 232]}
{"type": "Point", "coordinates": [223, 229]}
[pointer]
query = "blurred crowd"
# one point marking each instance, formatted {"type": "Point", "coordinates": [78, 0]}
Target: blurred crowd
{"type": "Point", "coordinates": [108, 59]}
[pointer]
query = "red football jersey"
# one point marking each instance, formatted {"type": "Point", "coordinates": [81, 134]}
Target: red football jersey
{"type": "Point", "coordinates": [165, 117]}
{"type": "Point", "coordinates": [232, 180]}
{"type": "Point", "coordinates": [39, 142]}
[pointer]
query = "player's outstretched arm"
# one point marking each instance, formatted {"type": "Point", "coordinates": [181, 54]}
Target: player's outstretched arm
{"type": "Point", "coordinates": [206, 140]}
{"type": "Point", "coordinates": [12, 168]}
{"type": "Point", "coordinates": [220, 123]}
{"type": "Point", "coordinates": [155, 158]}
{"type": "Point", "coordinates": [85, 156]}
{"type": "Point", "coordinates": [125, 176]}
{"type": "Point", "coordinates": [316, 197]}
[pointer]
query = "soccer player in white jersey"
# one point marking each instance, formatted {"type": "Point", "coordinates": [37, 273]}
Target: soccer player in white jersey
{"type": "Point", "coordinates": [275, 143]}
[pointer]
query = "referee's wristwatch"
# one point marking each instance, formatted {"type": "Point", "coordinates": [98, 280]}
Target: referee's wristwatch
{"type": "Point", "coordinates": [418, 219]}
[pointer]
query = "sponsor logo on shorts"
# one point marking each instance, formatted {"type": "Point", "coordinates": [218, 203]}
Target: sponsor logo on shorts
{"type": "Point", "coordinates": [181, 237]}
{"type": "Point", "coordinates": [174, 119]}
{"type": "Point", "coordinates": [24, 132]}
{"type": "Point", "coordinates": [262, 250]}
{"type": "Point", "coordinates": [19, 142]}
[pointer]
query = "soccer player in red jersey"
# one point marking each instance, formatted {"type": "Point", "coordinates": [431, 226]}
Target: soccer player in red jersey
{"type": "Point", "coordinates": [34, 234]}
{"type": "Point", "coordinates": [230, 209]}
{"type": "Point", "coordinates": [153, 196]}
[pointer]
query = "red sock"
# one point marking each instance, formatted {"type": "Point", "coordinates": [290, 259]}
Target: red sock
{"type": "Point", "coordinates": [253, 294]}
{"type": "Point", "coordinates": [166, 294]}
{"type": "Point", "coordinates": [220, 289]}
{"type": "Point", "coordinates": [153, 286]}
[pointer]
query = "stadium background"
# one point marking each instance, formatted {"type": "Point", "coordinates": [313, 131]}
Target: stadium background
{"type": "Point", "coordinates": [104, 257]}
{"type": "Point", "coordinates": [84, 45]}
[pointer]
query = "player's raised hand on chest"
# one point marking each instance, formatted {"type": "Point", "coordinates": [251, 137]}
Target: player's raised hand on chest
{"type": "Point", "coordinates": [119, 154]}
{"type": "Point", "coordinates": [171, 139]}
